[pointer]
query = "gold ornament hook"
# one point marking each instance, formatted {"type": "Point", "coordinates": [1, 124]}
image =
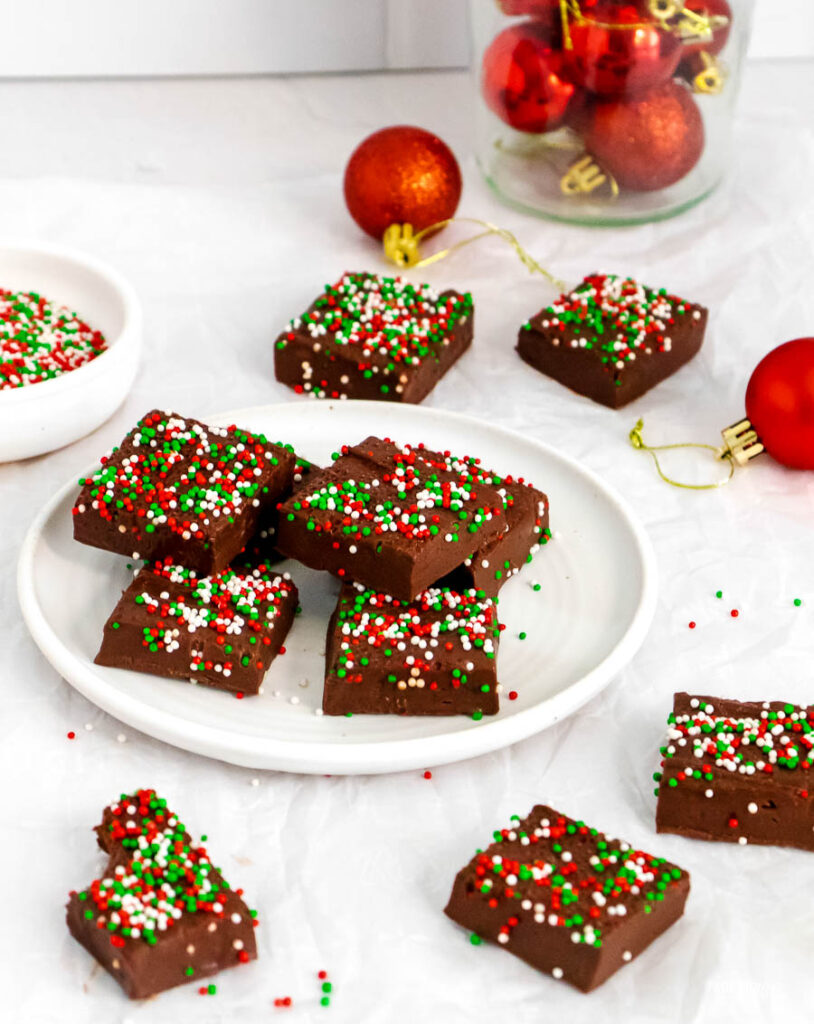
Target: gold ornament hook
{"type": "Point", "coordinates": [585, 176]}
{"type": "Point", "coordinates": [638, 442]}
{"type": "Point", "coordinates": [670, 15]}
{"type": "Point", "coordinates": [664, 10]}
{"type": "Point", "coordinates": [711, 77]}
{"type": "Point", "coordinates": [401, 246]}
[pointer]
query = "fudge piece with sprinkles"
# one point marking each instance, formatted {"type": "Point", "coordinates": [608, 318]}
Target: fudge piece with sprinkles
{"type": "Point", "coordinates": [395, 518]}
{"type": "Point", "coordinates": [374, 337]}
{"type": "Point", "coordinates": [435, 655]}
{"type": "Point", "coordinates": [737, 771]}
{"type": "Point", "coordinates": [161, 914]}
{"type": "Point", "coordinates": [177, 487]}
{"type": "Point", "coordinates": [612, 339]}
{"type": "Point", "coordinates": [567, 899]}
{"type": "Point", "coordinates": [526, 531]}
{"type": "Point", "coordinates": [221, 631]}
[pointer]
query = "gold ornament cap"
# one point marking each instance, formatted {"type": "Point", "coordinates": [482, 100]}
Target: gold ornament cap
{"type": "Point", "coordinates": [741, 443]}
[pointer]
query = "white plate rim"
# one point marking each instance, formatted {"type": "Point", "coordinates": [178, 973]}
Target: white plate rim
{"type": "Point", "coordinates": [331, 757]}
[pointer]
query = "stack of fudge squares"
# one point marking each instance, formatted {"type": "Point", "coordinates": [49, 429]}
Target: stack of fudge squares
{"type": "Point", "coordinates": [421, 540]}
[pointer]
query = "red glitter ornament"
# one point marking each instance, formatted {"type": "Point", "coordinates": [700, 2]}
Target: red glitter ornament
{"type": "Point", "coordinates": [401, 175]}
{"type": "Point", "coordinates": [522, 78]}
{"type": "Point", "coordinates": [647, 142]}
{"type": "Point", "coordinates": [720, 33]}
{"type": "Point", "coordinates": [780, 403]}
{"type": "Point", "coordinates": [617, 50]}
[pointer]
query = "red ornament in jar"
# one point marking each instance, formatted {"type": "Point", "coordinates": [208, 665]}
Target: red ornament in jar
{"type": "Point", "coordinates": [647, 142]}
{"type": "Point", "coordinates": [616, 49]}
{"type": "Point", "coordinates": [523, 81]}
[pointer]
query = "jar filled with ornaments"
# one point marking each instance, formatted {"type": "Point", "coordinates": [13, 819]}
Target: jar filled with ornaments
{"type": "Point", "coordinates": [607, 111]}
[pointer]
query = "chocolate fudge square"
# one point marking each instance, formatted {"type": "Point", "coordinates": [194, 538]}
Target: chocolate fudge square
{"type": "Point", "coordinates": [374, 337]}
{"type": "Point", "coordinates": [738, 772]}
{"type": "Point", "coordinates": [435, 655]}
{"type": "Point", "coordinates": [161, 914]}
{"type": "Point", "coordinates": [179, 488]}
{"type": "Point", "coordinates": [567, 899]}
{"type": "Point", "coordinates": [612, 339]}
{"type": "Point", "coordinates": [526, 511]}
{"type": "Point", "coordinates": [395, 518]}
{"type": "Point", "coordinates": [222, 631]}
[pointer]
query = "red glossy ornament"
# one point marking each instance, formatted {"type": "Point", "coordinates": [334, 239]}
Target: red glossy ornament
{"type": "Point", "coordinates": [618, 50]}
{"type": "Point", "coordinates": [720, 35]}
{"type": "Point", "coordinates": [647, 142]}
{"type": "Point", "coordinates": [401, 175]}
{"type": "Point", "coordinates": [522, 79]}
{"type": "Point", "coordinates": [780, 403]}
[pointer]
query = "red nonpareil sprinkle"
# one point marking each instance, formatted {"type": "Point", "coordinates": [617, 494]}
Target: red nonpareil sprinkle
{"type": "Point", "coordinates": [512, 694]}
{"type": "Point", "coordinates": [428, 775]}
{"type": "Point", "coordinates": [692, 625]}
{"type": "Point", "coordinates": [322, 975]}
{"type": "Point", "coordinates": [734, 613]}
{"type": "Point", "coordinates": [282, 1001]}
{"type": "Point", "coordinates": [243, 956]}
{"type": "Point", "coordinates": [239, 695]}
{"type": "Point", "coordinates": [71, 735]}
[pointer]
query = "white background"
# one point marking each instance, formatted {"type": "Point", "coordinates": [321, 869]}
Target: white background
{"type": "Point", "coordinates": [221, 201]}
{"type": "Point", "coordinates": [169, 37]}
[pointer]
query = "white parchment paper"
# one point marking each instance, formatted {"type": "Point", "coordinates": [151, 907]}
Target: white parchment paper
{"type": "Point", "coordinates": [221, 202]}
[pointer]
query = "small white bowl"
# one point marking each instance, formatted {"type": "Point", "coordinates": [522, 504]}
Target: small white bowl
{"type": "Point", "coordinates": [41, 417]}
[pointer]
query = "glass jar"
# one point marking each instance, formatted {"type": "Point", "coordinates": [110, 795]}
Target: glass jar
{"type": "Point", "coordinates": [606, 111]}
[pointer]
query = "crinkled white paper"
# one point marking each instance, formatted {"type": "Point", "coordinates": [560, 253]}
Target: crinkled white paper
{"type": "Point", "coordinates": [351, 875]}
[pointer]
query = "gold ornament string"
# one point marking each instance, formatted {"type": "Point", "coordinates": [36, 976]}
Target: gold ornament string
{"type": "Point", "coordinates": [725, 452]}
{"type": "Point", "coordinates": [401, 246]}
{"type": "Point", "coordinates": [690, 24]}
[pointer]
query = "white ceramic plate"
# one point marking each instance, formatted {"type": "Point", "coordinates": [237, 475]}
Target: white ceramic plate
{"type": "Point", "coordinates": [597, 597]}
{"type": "Point", "coordinates": [53, 413]}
